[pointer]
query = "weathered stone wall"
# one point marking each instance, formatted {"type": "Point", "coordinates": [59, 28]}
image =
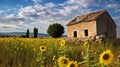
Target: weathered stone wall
{"type": "Point", "coordinates": [80, 27]}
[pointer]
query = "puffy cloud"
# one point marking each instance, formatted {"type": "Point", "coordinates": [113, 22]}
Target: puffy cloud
{"type": "Point", "coordinates": [108, 4]}
{"type": "Point", "coordinates": [41, 16]}
{"type": "Point", "coordinates": [68, 9]}
{"type": "Point", "coordinates": [11, 19]}
{"type": "Point", "coordinates": [112, 5]}
{"type": "Point", "coordinates": [83, 3]}
{"type": "Point", "coordinates": [35, 11]}
{"type": "Point", "coordinates": [1, 11]}
{"type": "Point", "coordinates": [11, 23]}
{"type": "Point", "coordinates": [36, 1]}
{"type": "Point", "coordinates": [11, 28]}
{"type": "Point", "coordinates": [49, 5]}
{"type": "Point", "coordinates": [8, 26]}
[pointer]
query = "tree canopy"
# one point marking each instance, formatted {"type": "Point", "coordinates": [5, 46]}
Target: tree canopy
{"type": "Point", "coordinates": [55, 30]}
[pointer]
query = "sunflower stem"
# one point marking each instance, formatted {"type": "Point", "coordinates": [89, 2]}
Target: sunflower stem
{"type": "Point", "coordinates": [88, 62]}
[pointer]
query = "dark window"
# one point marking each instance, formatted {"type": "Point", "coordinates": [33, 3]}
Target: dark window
{"type": "Point", "coordinates": [86, 32]}
{"type": "Point", "coordinates": [75, 33]}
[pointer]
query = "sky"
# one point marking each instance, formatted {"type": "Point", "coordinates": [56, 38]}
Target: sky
{"type": "Point", "coordinates": [18, 15]}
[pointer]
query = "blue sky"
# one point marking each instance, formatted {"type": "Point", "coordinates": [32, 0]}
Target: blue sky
{"type": "Point", "coordinates": [18, 15]}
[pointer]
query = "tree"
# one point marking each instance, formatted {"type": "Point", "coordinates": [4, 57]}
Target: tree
{"type": "Point", "coordinates": [27, 33]}
{"type": "Point", "coordinates": [55, 30]}
{"type": "Point", "coordinates": [35, 32]}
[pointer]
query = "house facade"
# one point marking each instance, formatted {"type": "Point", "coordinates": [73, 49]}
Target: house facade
{"type": "Point", "coordinates": [90, 25]}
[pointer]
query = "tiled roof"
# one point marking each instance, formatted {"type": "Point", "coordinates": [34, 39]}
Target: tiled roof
{"type": "Point", "coordinates": [86, 17]}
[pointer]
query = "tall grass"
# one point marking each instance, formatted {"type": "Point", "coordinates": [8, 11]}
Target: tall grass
{"type": "Point", "coordinates": [25, 52]}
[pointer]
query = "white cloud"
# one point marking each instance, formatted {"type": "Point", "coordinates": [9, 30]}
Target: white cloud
{"type": "Point", "coordinates": [41, 16]}
{"type": "Point", "coordinates": [9, 26]}
{"type": "Point", "coordinates": [107, 4]}
{"type": "Point", "coordinates": [82, 3]}
{"type": "Point", "coordinates": [36, 1]}
{"type": "Point", "coordinates": [112, 5]}
{"type": "Point", "coordinates": [68, 9]}
{"type": "Point", "coordinates": [11, 19]}
{"type": "Point", "coordinates": [11, 23]}
{"type": "Point", "coordinates": [1, 11]}
{"type": "Point", "coordinates": [49, 5]}
{"type": "Point", "coordinates": [35, 11]}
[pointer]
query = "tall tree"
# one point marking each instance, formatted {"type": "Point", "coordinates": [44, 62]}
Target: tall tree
{"type": "Point", "coordinates": [35, 32]}
{"type": "Point", "coordinates": [55, 30]}
{"type": "Point", "coordinates": [27, 33]}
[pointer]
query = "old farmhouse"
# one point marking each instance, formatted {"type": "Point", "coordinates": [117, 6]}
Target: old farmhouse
{"type": "Point", "coordinates": [91, 25]}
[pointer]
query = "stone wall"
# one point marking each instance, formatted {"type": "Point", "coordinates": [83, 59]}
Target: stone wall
{"type": "Point", "coordinates": [80, 27]}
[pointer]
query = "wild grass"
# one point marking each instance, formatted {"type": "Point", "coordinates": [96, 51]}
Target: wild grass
{"type": "Point", "coordinates": [26, 52]}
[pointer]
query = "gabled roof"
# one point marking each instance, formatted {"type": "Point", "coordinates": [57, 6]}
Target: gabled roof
{"type": "Point", "coordinates": [86, 18]}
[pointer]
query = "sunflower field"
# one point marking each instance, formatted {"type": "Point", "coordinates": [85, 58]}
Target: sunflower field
{"type": "Point", "coordinates": [50, 52]}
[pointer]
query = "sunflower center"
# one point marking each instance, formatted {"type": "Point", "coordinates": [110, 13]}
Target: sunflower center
{"type": "Point", "coordinates": [106, 56]}
{"type": "Point", "coordinates": [43, 48]}
{"type": "Point", "coordinates": [72, 65]}
{"type": "Point", "coordinates": [65, 61]}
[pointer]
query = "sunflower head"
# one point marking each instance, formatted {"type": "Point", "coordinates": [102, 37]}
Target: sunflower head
{"type": "Point", "coordinates": [72, 64]}
{"type": "Point", "coordinates": [62, 61]}
{"type": "Point", "coordinates": [106, 57]}
{"type": "Point", "coordinates": [62, 42]}
{"type": "Point", "coordinates": [42, 48]}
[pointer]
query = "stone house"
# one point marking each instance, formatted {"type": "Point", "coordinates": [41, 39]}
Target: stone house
{"type": "Point", "coordinates": [91, 25]}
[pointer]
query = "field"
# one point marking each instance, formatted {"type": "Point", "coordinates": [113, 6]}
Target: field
{"type": "Point", "coordinates": [50, 52]}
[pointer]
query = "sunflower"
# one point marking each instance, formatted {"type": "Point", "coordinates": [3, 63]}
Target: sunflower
{"type": "Point", "coordinates": [72, 64]}
{"type": "Point", "coordinates": [62, 61]}
{"type": "Point", "coordinates": [106, 57]}
{"type": "Point", "coordinates": [62, 42]}
{"type": "Point", "coordinates": [42, 48]}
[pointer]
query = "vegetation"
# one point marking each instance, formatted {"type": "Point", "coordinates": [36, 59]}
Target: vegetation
{"type": "Point", "coordinates": [35, 31]}
{"type": "Point", "coordinates": [27, 33]}
{"type": "Point", "coordinates": [55, 30]}
{"type": "Point", "coordinates": [50, 52]}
